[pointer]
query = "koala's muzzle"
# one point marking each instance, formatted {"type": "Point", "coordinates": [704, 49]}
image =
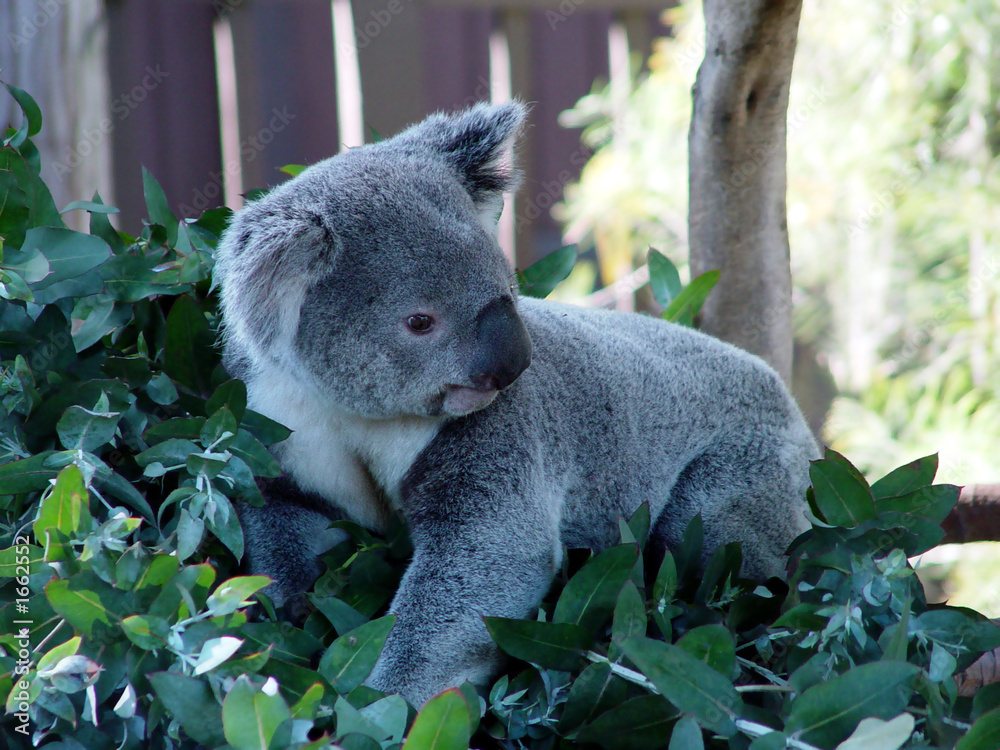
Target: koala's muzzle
{"type": "Point", "coordinates": [503, 348]}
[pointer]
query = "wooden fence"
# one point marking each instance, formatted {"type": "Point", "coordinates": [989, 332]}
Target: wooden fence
{"type": "Point", "coordinates": [213, 96]}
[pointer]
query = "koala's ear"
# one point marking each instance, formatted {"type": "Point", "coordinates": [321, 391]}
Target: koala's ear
{"type": "Point", "coordinates": [264, 264]}
{"type": "Point", "coordinates": [477, 143]}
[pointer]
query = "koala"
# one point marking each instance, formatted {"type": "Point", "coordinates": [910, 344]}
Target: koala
{"type": "Point", "coordinates": [368, 307]}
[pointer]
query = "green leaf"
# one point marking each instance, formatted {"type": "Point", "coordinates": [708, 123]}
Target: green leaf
{"type": "Point", "coordinates": [686, 735]}
{"type": "Point", "coordinates": [590, 596]}
{"type": "Point", "coordinates": [664, 281]}
{"type": "Point", "coordinates": [686, 682]}
{"type": "Point", "coordinates": [640, 723]}
{"type": "Point", "coordinates": [55, 654]}
{"type": "Point", "coordinates": [350, 658]}
{"type": "Point", "coordinates": [665, 585]}
{"type": "Point", "coordinates": [146, 631]}
{"type": "Point", "coordinates": [687, 555]}
{"type": "Point", "coordinates": [171, 451]}
{"type": "Point", "coordinates": [906, 479]}
{"type": "Point", "coordinates": [956, 627]}
{"type": "Point", "coordinates": [67, 508]}
{"type": "Point", "coordinates": [95, 317]}
{"type": "Point", "coordinates": [293, 169]}
{"type": "Point", "coordinates": [898, 641]}
{"type": "Point", "coordinates": [770, 741]}
{"type": "Point", "coordinates": [251, 716]}
{"type": "Point", "coordinates": [593, 690]}
{"type": "Point", "coordinates": [190, 531]}
{"type": "Point", "coordinates": [40, 204]}
{"type": "Point", "coordinates": [309, 703]}
{"type": "Point", "coordinates": [30, 263]}
{"type": "Point", "coordinates": [263, 428]}
{"type": "Point", "coordinates": [827, 713]}
{"type": "Point", "coordinates": [231, 394]}
{"type": "Point", "coordinates": [101, 227]}
{"type": "Point", "coordinates": [638, 524]}
{"type": "Point", "coordinates": [157, 206]}
{"type": "Point", "coordinates": [98, 208]}
{"type": "Point", "coordinates": [86, 430]}
{"type": "Point", "coordinates": [32, 117]}
{"type": "Point", "coordinates": [26, 474]}
{"type": "Point", "coordinates": [442, 724]}
{"type": "Point", "coordinates": [840, 497]}
{"type": "Point", "coordinates": [189, 357]}
{"type": "Point", "coordinates": [341, 615]}
{"type": "Point", "coordinates": [713, 645]}
{"type": "Point", "coordinates": [231, 594]}
{"type": "Point", "coordinates": [629, 618]}
{"type": "Point", "coordinates": [162, 391]}
{"type": "Point", "coordinates": [219, 430]}
{"type": "Point", "coordinates": [350, 721]}
{"type": "Point", "coordinates": [256, 456]}
{"type": "Point", "coordinates": [130, 278]}
{"type": "Point", "coordinates": [549, 644]}
{"type": "Point", "coordinates": [802, 617]}
{"type": "Point", "coordinates": [70, 255]}
{"type": "Point", "coordinates": [687, 304]}
{"type": "Point", "coordinates": [933, 503]}
{"type": "Point", "coordinates": [189, 700]}
{"type": "Point", "coordinates": [984, 735]}
{"type": "Point", "coordinates": [541, 277]}
{"type": "Point", "coordinates": [14, 212]}
{"type": "Point", "coordinates": [89, 604]}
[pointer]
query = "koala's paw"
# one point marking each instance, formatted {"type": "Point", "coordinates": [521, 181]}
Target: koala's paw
{"type": "Point", "coordinates": [296, 609]}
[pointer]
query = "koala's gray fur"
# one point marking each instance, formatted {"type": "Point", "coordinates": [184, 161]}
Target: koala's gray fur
{"type": "Point", "coordinates": [494, 464]}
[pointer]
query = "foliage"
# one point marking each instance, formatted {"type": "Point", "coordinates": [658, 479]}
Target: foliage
{"type": "Point", "coordinates": [893, 172]}
{"type": "Point", "coordinates": [126, 623]}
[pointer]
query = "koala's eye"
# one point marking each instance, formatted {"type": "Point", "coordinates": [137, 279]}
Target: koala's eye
{"type": "Point", "coordinates": [420, 323]}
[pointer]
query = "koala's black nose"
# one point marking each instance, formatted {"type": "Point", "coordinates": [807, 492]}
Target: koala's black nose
{"type": "Point", "coordinates": [503, 348]}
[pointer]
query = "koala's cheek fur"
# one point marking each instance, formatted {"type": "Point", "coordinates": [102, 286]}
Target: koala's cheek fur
{"type": "Point", "coordinates": [515, 428]}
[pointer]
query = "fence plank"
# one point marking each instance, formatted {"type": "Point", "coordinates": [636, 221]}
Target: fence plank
{"type": "Point", "coordinates": [285, 87]}
{"type": "Point", "coordinates": [161, 68]}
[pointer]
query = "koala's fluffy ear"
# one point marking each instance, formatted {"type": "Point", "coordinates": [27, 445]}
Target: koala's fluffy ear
{"type": "Point", "coordinates": [477, 144]}
{"type": "Point", "coordinates": [263, 264]}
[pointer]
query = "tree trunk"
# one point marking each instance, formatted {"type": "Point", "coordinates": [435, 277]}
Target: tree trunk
{"type": "Point", "coordinates": [736, 174]}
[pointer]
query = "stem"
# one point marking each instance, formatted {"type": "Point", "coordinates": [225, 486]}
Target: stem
{"type": "Point", "coordinates": [764, 689]}
{"type": "Point", "coordinates": [624, 672]}
{"type": "Point", "coordinates": [52, 632]}
{"type": "Point", "coordinates": [763, 672]}
{"type": "Point", "coordinates": [945, 719]}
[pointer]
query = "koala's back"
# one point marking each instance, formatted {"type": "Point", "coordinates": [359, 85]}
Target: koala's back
{"type": "Point", "coordinates": [652, 411]}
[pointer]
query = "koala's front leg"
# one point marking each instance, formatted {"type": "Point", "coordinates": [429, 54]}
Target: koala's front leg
{"type": "Point", "coordinates": [284, 538]}
{"type": "Point", "coordinates": [477, 553]}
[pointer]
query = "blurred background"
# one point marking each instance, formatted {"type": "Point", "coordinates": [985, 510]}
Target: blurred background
{"type": "Point", "coordinates": [893, 165]}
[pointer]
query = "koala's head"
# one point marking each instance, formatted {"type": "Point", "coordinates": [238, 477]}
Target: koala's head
{"type": "Point", "coordinates": [376, 274]}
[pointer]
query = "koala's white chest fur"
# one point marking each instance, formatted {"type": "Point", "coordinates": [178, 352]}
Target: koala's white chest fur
{"type": "Point", "coordinates": [357, 464]}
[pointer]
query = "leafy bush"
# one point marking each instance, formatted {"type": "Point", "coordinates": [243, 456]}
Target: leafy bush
{"type": "Point", "coordinates": [125, 619]}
